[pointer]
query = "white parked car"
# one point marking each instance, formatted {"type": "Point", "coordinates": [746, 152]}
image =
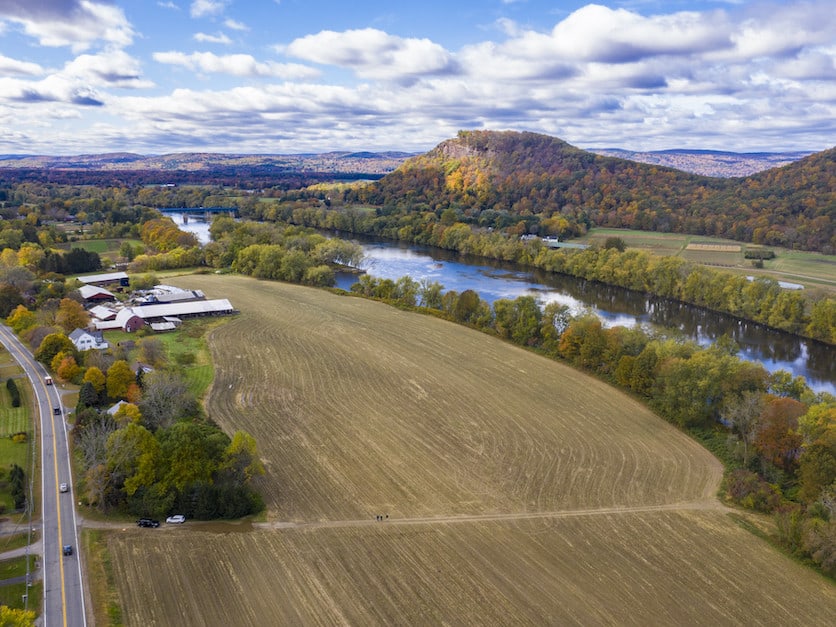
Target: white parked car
{"type": "Point", "coordinates": [176, 519]}
{"type": "Point", "coordinates": [64, 488]}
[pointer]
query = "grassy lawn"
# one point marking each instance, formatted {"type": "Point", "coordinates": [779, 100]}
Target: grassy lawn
{"type": "Point", "coordinates": [13, 596]}
{"type": "Point", "coordinates": [108, 247]}
{"type": "Point", "coordinates": [15, 567]}
{"type": "Point", "coordinates": [14, 419]}
{"type": "Point", "coordinates": [12, 453]}
{"type": "Point", "coordinates": [100, 577]}
{"type": "Point", "coordinates": [813, 270]}
{"type": "Point", "coordinates": [16, 541]}
{"type": "Point", "coordinates": [185, 348]}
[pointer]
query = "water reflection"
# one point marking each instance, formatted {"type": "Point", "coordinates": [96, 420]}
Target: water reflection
{"type": "Point", "coordinates": [614, 306]}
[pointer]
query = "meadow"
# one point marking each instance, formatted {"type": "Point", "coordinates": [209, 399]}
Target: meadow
{"type": "Point", "coordinates": [512, 489]}
{"type": "Point", "coordinates": [813, 270]}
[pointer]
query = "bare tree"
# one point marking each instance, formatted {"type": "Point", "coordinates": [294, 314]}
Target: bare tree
{"type": "Point", "coordinates": [92, 440]}
{"type": "Point", "coordinates": [152, 351]}
{"type": "Point", "coordinates": [743, 414]}
{"type": "Point", "coordinates": [165, 399]}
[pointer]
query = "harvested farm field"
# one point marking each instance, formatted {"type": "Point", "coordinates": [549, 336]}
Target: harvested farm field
{"type": "Point", "coordinates": [512, 489]}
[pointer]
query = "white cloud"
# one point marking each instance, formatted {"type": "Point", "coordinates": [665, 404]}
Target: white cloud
{"type": "Point", "coordinates": [202, 8]}
{"type": "Point", "coordinates": [13, 66]}
{"type": "Point", "coordinates": [372, 53]}
{"type": "Point", "coordinates": [219, 38]}
{"type": "Point", "coordinates": [235, 25]}
{"type": "Point", "coordinates": [741, 78]}
{"type": "Point", "coordinates": [74, 23]}
{"type": "Point", "coordinates": [234, 64]}
{"type": "Point", "coordinates": [114, 68]}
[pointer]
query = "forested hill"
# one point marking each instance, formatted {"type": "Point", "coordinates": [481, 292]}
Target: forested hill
{"type": "Point", "coordinates": [527, 182]}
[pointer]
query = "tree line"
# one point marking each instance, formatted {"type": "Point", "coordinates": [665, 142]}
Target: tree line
{"type": "Point", "coordinates": [760, 300]}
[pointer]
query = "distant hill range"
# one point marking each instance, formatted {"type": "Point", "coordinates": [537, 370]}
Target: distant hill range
{"type": "Point", "coordinates": [708, 162]}
{"type": "Point", "coordinates": [373, 164]}
{"type": "Point", "coordinates": [533, 183]}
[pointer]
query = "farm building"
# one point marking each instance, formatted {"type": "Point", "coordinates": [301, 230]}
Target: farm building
{"type": "Point", "coordinates": [102, 313]}
{"type": "Point", "coordinates": [92, 293]}
{"type": "Point", "coordinates": [87, 340]}
{"type": "Point", "coordinates": [132, 318]}
{"type": "Point", "coordinates": [125, 319]}
{"type": "Point", "coordinates": [167, 294]}
{"type": "Point", "coordinates": [120, 278]}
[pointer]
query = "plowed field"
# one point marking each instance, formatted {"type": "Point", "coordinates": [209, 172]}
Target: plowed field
{"type": "Point", "coordinates": [517, 490]}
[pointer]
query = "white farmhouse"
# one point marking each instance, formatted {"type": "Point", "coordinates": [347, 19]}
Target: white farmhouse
{"type": "Point", "coordinates": [87, 340]}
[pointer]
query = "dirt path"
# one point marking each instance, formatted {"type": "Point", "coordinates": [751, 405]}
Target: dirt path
{"type": "Point", "coordinates": [220, 526]}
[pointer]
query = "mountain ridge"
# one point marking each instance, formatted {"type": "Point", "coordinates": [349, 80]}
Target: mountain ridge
{"type": "Point", "coordinates": [715, 163]}
{"type": "Point", "coordinates": [533, 183]}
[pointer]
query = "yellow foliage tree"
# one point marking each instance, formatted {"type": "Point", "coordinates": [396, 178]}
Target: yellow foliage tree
{"type": "Point", "coordinates": [71, 315]}
{"type": "Point", "coordinates": [128, 412]}
{"type": "Point", "coordinates": [96, 378]}
{"type": "Point", "coordinates": [119, 377]}
{"type": "Point", "coordinates": [68, 369]}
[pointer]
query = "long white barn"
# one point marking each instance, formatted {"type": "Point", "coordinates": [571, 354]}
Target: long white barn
{"type": "Point", "coordinates": [131, 318]}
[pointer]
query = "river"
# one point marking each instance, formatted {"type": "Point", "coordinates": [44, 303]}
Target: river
{"type": "Point", "coordinates": [814, 361]}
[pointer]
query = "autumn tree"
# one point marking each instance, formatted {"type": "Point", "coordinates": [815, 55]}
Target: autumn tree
{"type": "Point", "coordinates": [96, 378]}
{"type": "Point", "coordinates": [241, 459]}
{"type": "Point", "coordinates": [127, 412]}
{"type": "Point", "coordinates": [11, 617]}
{"type": "Point", "coordinates": [119, 377]}
{"type": "Point", "coordinates": [68, 369]}
{"type": "Point", "coordinates": [21, 318]}
{"type": "Point", "coordinates": [71, 315]}
{"type": "Point", "coordinates": [53, 344]}
{"type": "Point", "coordinates": [777, 439]}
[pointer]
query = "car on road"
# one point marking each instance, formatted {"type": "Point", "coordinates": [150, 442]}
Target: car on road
{"type": "Point", "coordinates": [57, 411]}
{"type": "Point", "coordinates": [68, 549]}
{"type": "Point", "coordinates": [147, 522]}
{"type": "Point", "coordinates": [63, 488]}
{"type": "Point", "coordinates": [177, 519]}
{"type": "Point", "coordinates": [48, 380]}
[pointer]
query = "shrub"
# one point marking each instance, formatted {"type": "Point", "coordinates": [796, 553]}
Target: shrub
{"type": "Point", "coordinates": [185, 359]}
{"type": "Point", "coordinates": [13, 392]}
{"type": "Point", "coordinates": [750, 491]}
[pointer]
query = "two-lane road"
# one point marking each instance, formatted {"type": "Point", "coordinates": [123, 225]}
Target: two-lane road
{"type": "Point", "coordinates": [63, 591]}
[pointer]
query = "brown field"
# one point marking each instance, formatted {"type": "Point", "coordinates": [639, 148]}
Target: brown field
{"type": "Point", "coordinates": [725, 248]}
{"type": "Point", "coordinates": [517, 490]}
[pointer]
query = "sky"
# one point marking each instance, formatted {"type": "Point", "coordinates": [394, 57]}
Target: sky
{"type": "Point", "coordinates": [302, 76]}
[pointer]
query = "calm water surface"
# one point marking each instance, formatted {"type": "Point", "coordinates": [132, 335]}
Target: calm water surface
{"type": "Point", "coordinates": [814, 361]}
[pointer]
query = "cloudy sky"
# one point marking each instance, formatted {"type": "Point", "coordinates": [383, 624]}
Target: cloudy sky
{"type": "Point", "coordinates": [292, 76]}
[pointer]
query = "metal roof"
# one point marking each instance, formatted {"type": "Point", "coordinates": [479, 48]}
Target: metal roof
{"type": "Point", "coordinates": [89, 291]}
{"type": "Point", "coordinates": [103, 278]}
{"type": "Point", "coordinates": [218, 305]}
